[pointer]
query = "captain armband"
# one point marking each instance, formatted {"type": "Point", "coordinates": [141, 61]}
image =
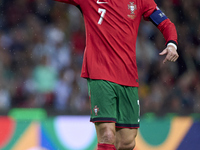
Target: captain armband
{"type": "Point", "coordinates": [157, 17]}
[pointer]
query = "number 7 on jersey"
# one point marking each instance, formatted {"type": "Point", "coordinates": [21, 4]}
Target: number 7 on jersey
{"type": "Point", "coordinates": [102, 12]}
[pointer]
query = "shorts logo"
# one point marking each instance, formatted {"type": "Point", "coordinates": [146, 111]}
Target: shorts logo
{"type": "Point", "coordinates": [132, 8]}
{"type": "Point", "coordinates": [96, 109]}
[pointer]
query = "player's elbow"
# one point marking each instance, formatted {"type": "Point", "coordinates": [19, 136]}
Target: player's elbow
{"type": "Point", "coordinates": [165, 25]}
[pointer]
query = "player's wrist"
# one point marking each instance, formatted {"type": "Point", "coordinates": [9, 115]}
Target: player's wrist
{"type": "Point", "coordinates": [172, 44]}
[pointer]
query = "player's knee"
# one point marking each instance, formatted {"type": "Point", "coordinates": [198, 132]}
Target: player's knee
{"type": "Point", "coordinates": [127, 145]}
{"type": "Point", "coordinates": [108, 137]}
{"type": "Point", "coordinates": [105, 132]}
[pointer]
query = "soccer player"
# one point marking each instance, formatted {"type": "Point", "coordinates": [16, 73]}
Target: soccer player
{"type": "Point", "coordinates": [109, 64]}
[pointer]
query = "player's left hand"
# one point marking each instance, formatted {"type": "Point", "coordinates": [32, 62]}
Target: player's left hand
{"type": "Point", "coordinates": [171, 54]}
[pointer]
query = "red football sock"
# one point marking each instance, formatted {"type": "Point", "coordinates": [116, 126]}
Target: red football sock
{"type": "Point", "coordinates": [102, 146]}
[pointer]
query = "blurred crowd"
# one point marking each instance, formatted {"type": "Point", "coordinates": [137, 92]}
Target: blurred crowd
{"type": "Point", "coordinates": [41, 51]}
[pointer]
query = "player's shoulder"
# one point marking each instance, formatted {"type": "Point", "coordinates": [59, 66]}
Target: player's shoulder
{"type": "Point", "coordinates": [147, 2]}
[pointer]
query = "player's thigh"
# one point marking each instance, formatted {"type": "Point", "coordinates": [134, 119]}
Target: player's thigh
{"type": "Point", "coordinates": [125, 138]}
{"type": "Point", "coordinates": [128, 108]}
{"type": "Point", "coordinates": [103, 101]}
{"type": "Point", "coordinates": [105, 132]}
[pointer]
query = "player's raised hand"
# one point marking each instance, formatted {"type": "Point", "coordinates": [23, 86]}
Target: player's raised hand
{"type": "Point", "coordinates": [171, 54]}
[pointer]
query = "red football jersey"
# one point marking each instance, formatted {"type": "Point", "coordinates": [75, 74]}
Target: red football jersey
{"type": "Point", "coordinates": [111, 33]}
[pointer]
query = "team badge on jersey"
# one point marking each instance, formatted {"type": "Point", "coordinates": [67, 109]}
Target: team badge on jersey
{"type": "Point", "coordinates": [132, 7]}
{"type": "Point", "coordinates": [96, 109]}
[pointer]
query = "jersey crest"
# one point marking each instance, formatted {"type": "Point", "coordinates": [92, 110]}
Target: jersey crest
{"type": "Point", "coordinates": [132, 7]}
{"type": "Point", "coordinates": [96, 109]}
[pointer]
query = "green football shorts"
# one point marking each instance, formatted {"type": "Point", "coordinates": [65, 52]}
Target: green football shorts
{"type": "Point", "coordinates": [111, 102]}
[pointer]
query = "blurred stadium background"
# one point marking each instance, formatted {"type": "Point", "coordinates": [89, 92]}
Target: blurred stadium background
{"type": "Point", "coordinates": [42, 95]}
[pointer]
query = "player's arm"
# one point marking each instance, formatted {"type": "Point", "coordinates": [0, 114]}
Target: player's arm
{"type": "Point", "coordinates": [168, 30]}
